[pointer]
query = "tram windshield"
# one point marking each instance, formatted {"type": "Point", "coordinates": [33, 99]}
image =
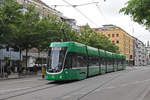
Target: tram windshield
{"type": "Point", "coordinates": [55, 59]}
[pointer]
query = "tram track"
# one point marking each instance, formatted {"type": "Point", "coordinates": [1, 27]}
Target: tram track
{"type": "Point", "coordinates": [44, 87]}
{"type": "Point", "coordinates": [100, 86]}
{"type": "Point", "coordinates": [21, 89]}
{"type": "Point", "coordinates": [27, 91]}
{"type": "Point", "coordinates": [37, 88]}
{"type": "Point", "coordinates": [108, 81]}
{"type": "Point", "coordinates": [82, 95]}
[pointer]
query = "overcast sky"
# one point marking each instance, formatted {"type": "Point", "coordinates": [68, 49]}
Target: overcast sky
{"type": "Point", "coordinates": [106, 13]}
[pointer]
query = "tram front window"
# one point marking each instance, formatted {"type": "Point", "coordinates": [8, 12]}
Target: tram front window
{"type": "Point", "coordinates": [55, 59]}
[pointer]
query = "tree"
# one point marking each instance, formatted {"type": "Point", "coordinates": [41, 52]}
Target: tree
{"type": "Point", "coordinates": [22, 28]}
{"type": "Point", "coordinates": [26, 30]}
{"type": "Point", "coordinates": [10, 15]}
{"type": "Point", "coordinates": [18, 26]}
{"type": "Point", "coordinates": [68, 33]}
{"type": "Point", "coordinates": [96, 39]}
{"type": "Point", "coordinates": [139, 11]}
{"type": "Point", "coordinates": [51, 29]}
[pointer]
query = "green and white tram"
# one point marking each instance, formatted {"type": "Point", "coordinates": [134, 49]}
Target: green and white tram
{"type": "Point", "coordinates": [75, 61]}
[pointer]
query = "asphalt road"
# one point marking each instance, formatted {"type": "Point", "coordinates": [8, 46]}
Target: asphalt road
{"type": "Point", "coordinates": [130, 84]}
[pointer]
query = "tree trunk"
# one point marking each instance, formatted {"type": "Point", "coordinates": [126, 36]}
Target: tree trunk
{"type": "Point", "coordinates": [19, 69]}
{"type": "Point", "coordinates": [20, 51]}
{"type": "Point", "coordinates": [26, 60]}
{"type": "Point", "coordinates": [38, 57]}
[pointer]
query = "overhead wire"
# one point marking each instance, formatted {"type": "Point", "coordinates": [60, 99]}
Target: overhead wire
{"type": "Point", "coordinates": [76, 5]}
{"type": "Point", "coordinates": [81, 13]}
{"type": "Point", "coordinates": [101, 13]}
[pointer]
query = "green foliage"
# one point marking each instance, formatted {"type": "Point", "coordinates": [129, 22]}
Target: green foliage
{"type": "Point", "coordinates": [69, 33]}
{"type": "Point", "coordinates": [10, 15]}
{"type": "Point", "coordinates": [48, 30]}
{"type": "Point", "coordinates": [139, 10]}
{"type": "Point", "coordinates": [51, 29]}
{"type": "Point", "coordinates": [27, 30]}
{"type": "Point", "coordinates": [96, 39]}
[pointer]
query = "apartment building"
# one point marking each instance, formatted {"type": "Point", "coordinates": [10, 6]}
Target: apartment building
{"type": "Point", "coordinates": [140, 55]}
{"type": "Point", "coordinates": [121, 38]}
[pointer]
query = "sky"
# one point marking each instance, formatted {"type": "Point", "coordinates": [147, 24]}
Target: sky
{"type": "Point", "coordinates": [104, 13]}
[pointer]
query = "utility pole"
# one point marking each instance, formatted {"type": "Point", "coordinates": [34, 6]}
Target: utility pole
{"type": "Point", "coordinates": [63, 29]}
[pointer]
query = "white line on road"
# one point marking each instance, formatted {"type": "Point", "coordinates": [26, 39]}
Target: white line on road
{"type": "Point", "coordinates": [124, 85]}
{"type": "Point", "coordinates": [11, 90]}
{"type": "Point", "coordinates": [65, 97]}
{"type": "Point", "coordinates": [144, 94]}
{"type": "Point", "coordinates": [19, 81]}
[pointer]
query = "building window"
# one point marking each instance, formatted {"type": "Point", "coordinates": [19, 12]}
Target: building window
{"type": "Point", "coordinates": [117, 35]}
{"type": "Point", "coordinates": [109, 35]}
{"type": "Point", "coordinates": [117, 41]}
{"type": "Point", "coordinates": [130, 56]}
{"type": "Point", "coordinates": [113, 35]}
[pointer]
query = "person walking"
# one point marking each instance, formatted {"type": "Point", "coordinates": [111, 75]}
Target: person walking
{"type": "Point", "coordinates": [43, 72]}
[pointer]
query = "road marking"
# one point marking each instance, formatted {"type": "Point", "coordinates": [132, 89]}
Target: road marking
{"type": "Point", "coordinates": [65, 97]}
{"type": "Point", "coordinates": [144, 94]}
{"type": "Point", "coordinates": [97, 90]}
{"type": "Point", "coordinates": [75, 93]}
{"type": "Point", "coordinates": [19, 81]}
{"type": "Point", "coordinates": [11, 90]}
{"type": "Point", "coordinates": [83, 93]}
{"type": "Point", "coordinates": [124, 85]}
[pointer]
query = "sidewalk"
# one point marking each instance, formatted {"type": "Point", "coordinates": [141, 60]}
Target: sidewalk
{"type": "Point", "coordinates": [16, 76]}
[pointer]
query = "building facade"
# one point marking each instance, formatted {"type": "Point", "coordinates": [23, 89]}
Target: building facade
{"type": "Point", "coordinates": [45, 10]}
{"type": "Point", "coordinates": [40, 6]}
{"type": "Point", "coordinates": [148, 53]}
{"type": "Point", "coordinates": [121, 38]}
{"type": "Point", "coordinates": [140, 55]}
{"type": "Point", "coordinates": [9, 58]}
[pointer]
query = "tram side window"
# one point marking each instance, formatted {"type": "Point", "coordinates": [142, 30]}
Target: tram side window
{"type": "Point", "coordinates": [93, 61]}
{"type": "Point", "coordinates": [75, 60]}
{"type": "Point", "coordinates": [68, 61]}
{"type": "Point", "coordinates": [97, 61]}
{"type": "Point", "coordinates": [105, 61]}
{"type": "Point", "coordinates": [119, 62]}
{"type": "Point", "coordinates": [81, 60]}
{"type": "Point", "coordinates": [123, 62]}
{"type": "Point", "coordinates": [109, 61]}
{"type": "Point", "coordinates": [102, 61]}
{"type": "Point", "coordinates": [115, 62]}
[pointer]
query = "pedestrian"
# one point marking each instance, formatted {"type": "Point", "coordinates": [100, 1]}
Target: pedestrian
{"type": "Point", "coordinates": [43, 72]}
{"type": "Point", "coordinates": [6, 70]}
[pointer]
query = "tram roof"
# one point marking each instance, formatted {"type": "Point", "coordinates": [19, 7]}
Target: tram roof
{"type": "Point", "coordinates": [92, 51]}
{"type": "Point", "coordinates": [81, 48]}
{"type": "Point", "coordinates": [102, 53]}
{"type": "Point", "coordinates": [72, 46]}
{"type": "Point", "coordinates": [108, 54]}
